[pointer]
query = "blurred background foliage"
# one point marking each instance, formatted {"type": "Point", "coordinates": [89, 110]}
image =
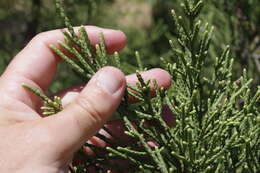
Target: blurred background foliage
{"type": "Point", "coordinates": [147, 24]}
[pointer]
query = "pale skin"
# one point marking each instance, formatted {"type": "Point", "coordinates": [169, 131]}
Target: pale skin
{"type": "Point", "coordinates": [31, 143]}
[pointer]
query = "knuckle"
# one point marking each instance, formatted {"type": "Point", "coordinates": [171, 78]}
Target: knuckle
{"type": "Point", "coordinates": [89, 109]}
{"type": "Point", "coordinates": [39, 37]}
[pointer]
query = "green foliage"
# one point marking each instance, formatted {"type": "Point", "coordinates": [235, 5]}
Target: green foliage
{"type": "Point", "coordinates": [50, 106]}
{"type": "Point", "coordinates": [217, 119]}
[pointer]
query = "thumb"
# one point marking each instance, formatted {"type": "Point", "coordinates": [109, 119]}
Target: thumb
{"type": "Point", "coordinates": [82, 118]}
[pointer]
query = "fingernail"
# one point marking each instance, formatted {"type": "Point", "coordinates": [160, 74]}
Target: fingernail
{"type": "Point", "coordinates": [110, 81]}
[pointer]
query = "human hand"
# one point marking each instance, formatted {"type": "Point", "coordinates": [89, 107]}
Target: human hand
{"type": "Point", "coordinates": [31, 143]}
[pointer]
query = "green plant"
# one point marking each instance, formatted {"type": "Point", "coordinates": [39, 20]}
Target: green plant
{"type": "Point", "coordinates": [216, 119]}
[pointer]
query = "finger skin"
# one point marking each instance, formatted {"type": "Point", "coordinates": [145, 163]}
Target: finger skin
{"type": "Point", "coordinates": [36, 64]}
{"type": "Point", "coordinates": [162, 77]}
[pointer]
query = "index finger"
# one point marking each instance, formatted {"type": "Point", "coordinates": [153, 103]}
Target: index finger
{"type": "Point", "coordinates": [36, 64]}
